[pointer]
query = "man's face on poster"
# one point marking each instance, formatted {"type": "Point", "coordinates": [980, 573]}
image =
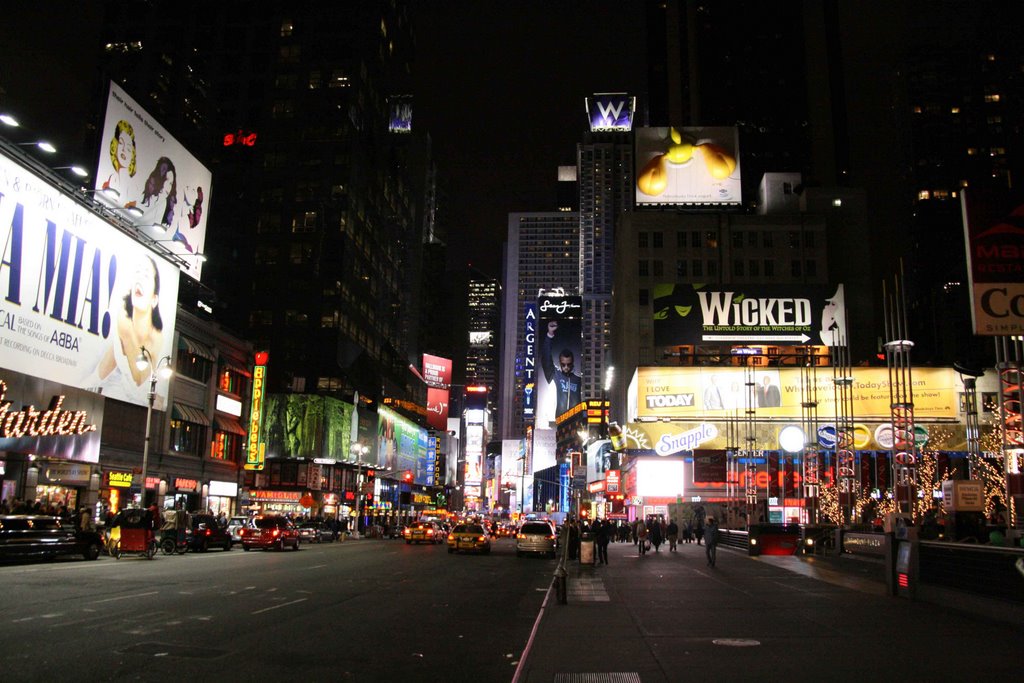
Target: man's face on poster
{"type": "Point", "coordinates": [566, 363]}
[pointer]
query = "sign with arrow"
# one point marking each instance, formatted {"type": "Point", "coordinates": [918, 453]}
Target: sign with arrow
{"type": "Point", "coordinates": [781, 314]}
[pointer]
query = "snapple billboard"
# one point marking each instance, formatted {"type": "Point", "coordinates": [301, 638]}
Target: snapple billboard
{"type": "Point", "coordinates": [688, 166]}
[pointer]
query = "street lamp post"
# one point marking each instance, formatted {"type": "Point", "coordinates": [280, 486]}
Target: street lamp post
{"type": "Point", "coordinates": [159, 370]}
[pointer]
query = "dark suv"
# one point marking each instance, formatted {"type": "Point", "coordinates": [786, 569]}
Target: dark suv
{"type": "Point", "coordinates": [24, 536]}
{"type": "Point", "coordinates": [206, 532]}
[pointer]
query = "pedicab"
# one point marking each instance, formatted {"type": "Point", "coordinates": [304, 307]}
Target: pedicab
{"type": "Point", "coordinates": [136, 534]}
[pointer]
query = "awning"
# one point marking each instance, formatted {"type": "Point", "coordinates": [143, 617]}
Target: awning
{"type": "Point", "coordinates": [229, 425]}
{"type": "Point", "coordinates": [190, 414]}
{"type": "Point", "coordinates": [237, 369]}
{"type": "Point", "coordinates": [194, 348]}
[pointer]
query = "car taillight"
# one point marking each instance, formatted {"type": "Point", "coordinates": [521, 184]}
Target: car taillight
{"type": "Point", "coordinates": [481, 539]}
{"type": "Point", "coordinates": [430, 532]}
{"type": "Point", "coordinates": [277, 532]}
{"type": "Point", "coordinates": [208, 532]}
{"type": "Point", "coordinates": [520, 537]}
{"type": "Point", "coordinates": [241, 532]}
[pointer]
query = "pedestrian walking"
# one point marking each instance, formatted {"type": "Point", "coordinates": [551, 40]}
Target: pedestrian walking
{"type": "Point", "coordinates": [711, 541]}
{"type": "Point", "coordinates": [655, 535]}
{"type": "Point", "coordinates": [698, 529]}
{"type": "Point", "coordinates": [602, 536]}
{"type": "Point", "coordinates": [688, 532]}
{"type": "Point", "coordinates": [642, 542]}
{"type": "Point", "coordinates": [672, 534]}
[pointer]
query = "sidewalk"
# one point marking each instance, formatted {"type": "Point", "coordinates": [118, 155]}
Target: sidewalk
{"type": "Point", "coordinates": [671, 617]}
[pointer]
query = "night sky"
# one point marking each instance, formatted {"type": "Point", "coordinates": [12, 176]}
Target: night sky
{"type": "Point", "coordinates": [502, 93]}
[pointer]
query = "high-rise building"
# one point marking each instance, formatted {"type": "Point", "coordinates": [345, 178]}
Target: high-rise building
{"type": "Point", "coordinates": [484, 318]}
{"type": "Point", "coordinates": [605, 171]}
{"type": "Point", "coordinates": [319, 208]}
{"type": "Point", "coordinates": [541, 254]}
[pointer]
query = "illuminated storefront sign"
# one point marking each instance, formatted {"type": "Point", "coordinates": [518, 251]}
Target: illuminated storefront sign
{"type": "Point", "coordinates": [264, 496]}
{"type": "Point", "coordinates": [52, 431]}
{"type": "Point", "coordinates": [228, 489]}
{"type": "Point", "coordinates": [254, 453]}
{"type": "Point", "coordinates": [118, 480]}
{"type": "Point", "coordinates": [183, 484]}
{"type": "Point", "coordinates": [995, 245]}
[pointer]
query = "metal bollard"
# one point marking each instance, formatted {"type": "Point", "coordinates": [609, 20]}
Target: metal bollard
{"type": "Point", "coordinates": [561, 589]}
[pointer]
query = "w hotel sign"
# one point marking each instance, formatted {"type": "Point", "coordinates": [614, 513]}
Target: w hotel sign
{"type": "Point", "coordinates": [994, 237]}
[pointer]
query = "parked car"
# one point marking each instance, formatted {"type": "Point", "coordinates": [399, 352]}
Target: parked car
{"type": "Point", "coordinates": [24, 536]}
{"type": "Point", "coordinates": [270, 531]}
{"type": "Point", "coordinates": [315, 532]}
{"type": "Point", "coordinates": [422, 532]}
{"type": "Point", "coordinates": [205, 532]}
{"type": "Point", "coordinates": [469, 537]}
{"type": "Point", "coordinates": [535, 537]}
{"type": "Point", "coordinates": [236, 524]}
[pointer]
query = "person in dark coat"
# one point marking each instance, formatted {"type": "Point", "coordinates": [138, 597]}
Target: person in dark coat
{"type": "Point", "coordinates": [698, 529]}
{"type": "Point", "coordinates": [656, 537]}
{"type": "Point", "coordinates": [672, 535]}
{"type": "Point", "coordinates": [711, 541]}
{"type": "Point", "coordinates": [602, 536]}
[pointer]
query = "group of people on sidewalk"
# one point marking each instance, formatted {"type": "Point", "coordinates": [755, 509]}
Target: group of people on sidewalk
{"type": "Point", "coordinates": [653, 531]}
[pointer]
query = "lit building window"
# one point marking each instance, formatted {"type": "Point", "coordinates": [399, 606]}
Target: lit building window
{"type": "Point", "coordinates": [992, 97]}
{"type": "Point", "coordinates": [287, 28]}
{"type": "Point", "coordinates": [971, 151]}
{"type": "Point", "coordinates": [924, 194]}
{"type": "Point", "coordinates": [837, 202]}
{"type": "Point", "coordinates": [954, 110]}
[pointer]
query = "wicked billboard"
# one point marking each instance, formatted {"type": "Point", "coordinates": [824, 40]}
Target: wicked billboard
{"type": "Point", "coordinates": [307, 426]}
{"type": "Point", "coordinates": [775, 314]}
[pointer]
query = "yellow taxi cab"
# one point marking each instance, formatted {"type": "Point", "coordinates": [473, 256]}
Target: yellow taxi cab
{"type": "Point", "coordinates": [469, 537]}
{"type": "Point", "coordinates": [422, 532]}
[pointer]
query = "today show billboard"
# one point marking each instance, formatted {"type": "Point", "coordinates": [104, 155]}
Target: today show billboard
{"type": "Point", "coordinates": [749, 314]}
{"type": "Point", "coordinates": [697, 166]}
{"type": "Point", "coordinates": [79, 298]}
{"type": "Point", "coordinates": [152, 180]}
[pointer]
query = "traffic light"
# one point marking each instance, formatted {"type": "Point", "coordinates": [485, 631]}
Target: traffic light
{"type": "Point", "coordinates": [371, 475]}
{"type": "Point", "coordinates": [407, 476]}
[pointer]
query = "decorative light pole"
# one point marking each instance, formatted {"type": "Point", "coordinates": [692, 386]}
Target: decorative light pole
{"type": "Point", "coordinates": [358, 450]}
{"type": "Point", "coordinates": [159, 370]}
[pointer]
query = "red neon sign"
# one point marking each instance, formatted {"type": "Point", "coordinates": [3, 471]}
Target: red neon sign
{"type": "Point", "coordinates": [243, 138]}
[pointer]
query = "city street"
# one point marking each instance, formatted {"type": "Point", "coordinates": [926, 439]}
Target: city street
{"type": "Point", "coordinates": [359, 610]}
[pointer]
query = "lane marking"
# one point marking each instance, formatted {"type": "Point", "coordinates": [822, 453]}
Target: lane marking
{"type": "Point", "coordinates": [284, 604]}
{"type": "Point", "coordinates": [124, 597]}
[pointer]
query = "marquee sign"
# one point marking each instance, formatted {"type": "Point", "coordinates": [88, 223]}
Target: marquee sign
{"type": "Point", "coordinates": [254, 453]}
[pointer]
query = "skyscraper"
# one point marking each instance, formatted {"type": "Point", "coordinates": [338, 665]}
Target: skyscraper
{"type": "Point", "coordinates": [484, 333]}
{"type": "Point", "coordinates": [541, 254]}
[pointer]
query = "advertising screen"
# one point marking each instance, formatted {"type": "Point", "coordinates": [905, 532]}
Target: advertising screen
{"type": "Point", "coordinates": [660, 477]}
{"type": "Point", "coordinates": [437, 371]}
{"type": "Point", "coordinates": [152, 180]}
{"type": "Point", "coordinates": [994, 237]}
{"type": "Point", "coordinates": [79, 297]}
{"type": "Point", "coordinates": [400, 114]}
{"type": "Point", "coordinates": [402, 445]}
{"type": "Point", "coordinates": [559, 386]}
{"type": "Point", "coordinates": [718, 392]}
{"type": "Point", "coordinates": [307, 426]}
{"type": "Point", "coordinates": [687, 166]}
{"type": "Point", "coordinates": [437, 408]}
{"type": "Point", "coordinates": [611, 112]}
{"type": "Point", "coordinates": [779, 314]}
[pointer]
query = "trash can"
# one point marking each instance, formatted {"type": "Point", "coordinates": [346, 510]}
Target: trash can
{"type": "Point", "coordinates": [587, 555]}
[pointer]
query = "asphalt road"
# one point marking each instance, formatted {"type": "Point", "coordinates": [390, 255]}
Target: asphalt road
{"type": "Point", "coordinates": [359, 610]}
